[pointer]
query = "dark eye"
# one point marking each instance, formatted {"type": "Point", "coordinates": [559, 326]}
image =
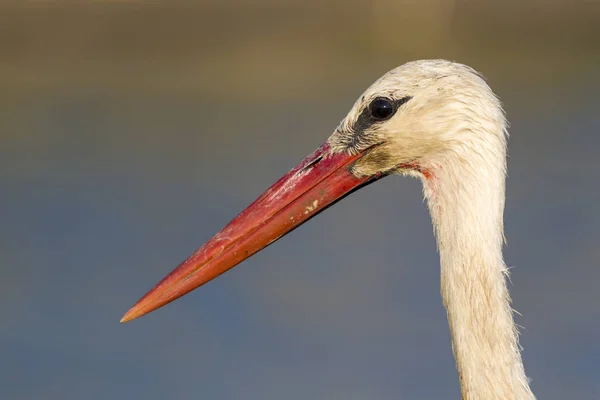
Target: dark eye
{"type": "Point", "coordinates": [382, 109]}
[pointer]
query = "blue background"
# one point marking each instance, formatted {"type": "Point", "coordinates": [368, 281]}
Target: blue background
{"type": "Point", "coordinates": [130, 133]}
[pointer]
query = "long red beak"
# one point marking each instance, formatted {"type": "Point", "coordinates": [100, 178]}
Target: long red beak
{"type": "Point", "coordinates": [317, 182]}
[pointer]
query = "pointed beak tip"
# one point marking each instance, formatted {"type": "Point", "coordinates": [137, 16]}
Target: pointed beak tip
{"type": "Point", "coordinates": [128, 316]}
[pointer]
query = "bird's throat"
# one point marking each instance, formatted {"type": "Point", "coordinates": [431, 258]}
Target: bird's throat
{"type": "Point", "coordinates": [467, 216]}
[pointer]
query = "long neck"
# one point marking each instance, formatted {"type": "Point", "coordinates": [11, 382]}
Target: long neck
{"type": "Point", "coordinates": [466, 202]}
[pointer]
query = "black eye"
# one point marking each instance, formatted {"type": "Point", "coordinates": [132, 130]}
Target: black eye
{"type": "Point", "coordinates": [382, 109]}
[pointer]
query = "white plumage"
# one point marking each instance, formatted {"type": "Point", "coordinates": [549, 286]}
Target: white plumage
{"type": "Point", "coordinates": [452, 134]}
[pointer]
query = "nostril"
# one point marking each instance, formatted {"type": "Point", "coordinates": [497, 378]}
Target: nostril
{"type": "Point", "coordinates": [311, 164]}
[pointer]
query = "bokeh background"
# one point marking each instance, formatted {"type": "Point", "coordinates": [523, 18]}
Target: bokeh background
{"type": "Point", "coordinates": [131, 131]}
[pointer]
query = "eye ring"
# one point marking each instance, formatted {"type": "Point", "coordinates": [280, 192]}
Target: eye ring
{"type": "Point", "coordinates": [382, 109]}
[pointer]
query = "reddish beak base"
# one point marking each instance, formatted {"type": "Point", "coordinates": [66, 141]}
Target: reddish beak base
{"type": "Point", "coordinates": [320, 180]}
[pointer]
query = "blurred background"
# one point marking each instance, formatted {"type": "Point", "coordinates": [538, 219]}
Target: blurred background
{"type": "Point", "coordinates": [131, 132]}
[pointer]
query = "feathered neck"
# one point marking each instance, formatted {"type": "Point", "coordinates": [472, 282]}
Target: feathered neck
{"type": "Point", "coordinates": [465, 193]}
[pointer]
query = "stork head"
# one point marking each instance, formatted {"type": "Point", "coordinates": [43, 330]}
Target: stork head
{"type": "Point", "coordinates": [420, 116]}
{"type": "Point", "coordinates": [414, 119]}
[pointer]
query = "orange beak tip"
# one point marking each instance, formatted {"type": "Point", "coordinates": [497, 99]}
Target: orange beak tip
{"type": "Point", "coordinates": [133, 313]}
{"type": "Point", "coordinates": [127, 317]}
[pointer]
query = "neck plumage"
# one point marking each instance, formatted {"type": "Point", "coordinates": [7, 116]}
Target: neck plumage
{"type": "Point", "coordinates": [466, 201]}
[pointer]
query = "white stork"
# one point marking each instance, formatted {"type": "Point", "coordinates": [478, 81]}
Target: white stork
{"type": "Point", "coordinates": [435, 120]}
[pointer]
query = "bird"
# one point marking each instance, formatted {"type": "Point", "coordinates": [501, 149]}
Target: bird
{"type": "Point", "coordinates": [440, 122]}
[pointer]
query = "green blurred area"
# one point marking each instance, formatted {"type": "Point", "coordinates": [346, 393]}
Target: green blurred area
{"type": "Point", "coordinates": [257, 50]}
